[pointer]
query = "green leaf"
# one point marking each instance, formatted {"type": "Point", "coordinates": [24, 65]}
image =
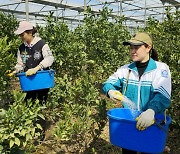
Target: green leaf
{"type": "Point", "coordinates": [30, 112]}
{"type": "Point", "coordinates": [37, 134]}
{"type": "Point", "coordinates": [28, 136]}
{"type": "Point", "coordinates": [5, 136]}
{"type": "Point", "coordinates": [17, 141]}
{"type": "Point", "coordinates": [17, 131]}
{"type": "Point", "coordinates": [2, 112]}
{"type": "Point", "coordinates": [39, 126]}
{"type": "Point", "coordinates": [11, 143]}
{"type": "Point", "coordinates": [41, 116]}
{"type": "Point", "coordinates": [23, 132]}
{"type": "Point", "coordinates": [24, 144]}
{"type": "Point", "coordinates": [12, 134]}
{"type": "Point", "coordinates": [28, 122]}
{"type": "Point", "coordinates": [33, 131]}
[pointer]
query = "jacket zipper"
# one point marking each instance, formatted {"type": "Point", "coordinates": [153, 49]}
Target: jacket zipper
{"type": "Point", "coordinates": [139, 89]}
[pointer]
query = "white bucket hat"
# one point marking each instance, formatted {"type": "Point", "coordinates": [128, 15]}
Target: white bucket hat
{"type": "Point", "coordinates": [23, 26]}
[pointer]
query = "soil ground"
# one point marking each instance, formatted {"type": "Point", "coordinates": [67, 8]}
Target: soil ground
{"type": "Point", "coordinates": [100, 145]}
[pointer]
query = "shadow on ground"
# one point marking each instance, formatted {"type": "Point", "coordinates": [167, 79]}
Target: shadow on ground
{"type": "Point", "coordinates": [101, 146]}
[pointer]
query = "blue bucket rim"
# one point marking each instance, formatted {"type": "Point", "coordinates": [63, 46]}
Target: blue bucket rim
{"type": "Point", "coordinates": [133, 120]}
{"type": "Point", "coordinates": [41, 71]}
{"type": "Point", "coordinates": [119, 118]}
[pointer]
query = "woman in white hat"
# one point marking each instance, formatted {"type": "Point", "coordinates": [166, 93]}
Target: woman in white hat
{"type": "Point", "coordinates": [33, 55]}
{"type": "Point", "coordinates": [145, 81]}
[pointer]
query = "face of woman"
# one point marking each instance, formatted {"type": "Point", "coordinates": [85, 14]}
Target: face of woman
{"type": "Point", "coordinates": [139, 53]}
{"type": "Point", "coordinates": [26, 37]}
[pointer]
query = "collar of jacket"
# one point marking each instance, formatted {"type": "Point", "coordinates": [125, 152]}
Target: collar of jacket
{"type": "Point", "coordinates": [34, 41]}
{"type": "Point", "coordinates": [151, 66]}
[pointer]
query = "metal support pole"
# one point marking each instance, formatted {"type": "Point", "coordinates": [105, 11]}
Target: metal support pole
{"type": "Point", "coordinates": [121, 8]}
{"type": "Point", "coordinates": [63, 12]}
{"type": "Point", "coordinates": [27, 10]}
{"type": "Point", "coordinates": [118, 8]}
{"type": "Point", "coordinates": [145, 14]}
{"type": "Point", "coordinates": [56, 7]}
{"type": "Point", "coordinates": [85, 5]}
{"type": "Point", "coordinates": [163, 13]}
{"type": "Point", "coordinates": [56, 13]}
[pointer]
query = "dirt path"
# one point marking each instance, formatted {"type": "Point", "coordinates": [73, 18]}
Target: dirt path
{"type": "Point", "coordinates": [100, 145]}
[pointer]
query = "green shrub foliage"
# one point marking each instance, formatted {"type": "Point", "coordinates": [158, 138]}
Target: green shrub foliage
{"type": "Point", "coordinates": [6, 63]}
{"type": "Point", "coordinates": [8, 24]}
{"type": "Point", "coordinates": [18, 124]}
{"type": "Point", "coordinates": [8, 49]}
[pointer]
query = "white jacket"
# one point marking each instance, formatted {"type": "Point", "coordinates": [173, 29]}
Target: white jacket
{"type": "Point", "coordinates": [152, 90]}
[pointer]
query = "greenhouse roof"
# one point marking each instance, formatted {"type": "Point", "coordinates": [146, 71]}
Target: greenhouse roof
{"type": "Point", "coordinates": [135, 12]}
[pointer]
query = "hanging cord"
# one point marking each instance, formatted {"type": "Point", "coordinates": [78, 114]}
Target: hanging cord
{"type": "Point", "coordinates": [119, 104]}
{"type": "Point", "coordinates": [24, 58]}
{"type": "Point", "coordinates": [125, 88]}
{"type": "Point", "coordinates": [161, 123]}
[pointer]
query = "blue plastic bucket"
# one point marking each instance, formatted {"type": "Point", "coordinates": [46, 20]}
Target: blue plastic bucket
{"type": "Point", "coordinates": [41, 80]}
{"type": "Point", "coordinates": [123, 132]}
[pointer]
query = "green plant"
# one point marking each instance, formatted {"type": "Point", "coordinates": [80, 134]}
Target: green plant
{"type": "Point", "coordinates": [7, 60]}
{"type": "Point", "coordinates": [8, 48]}
{"type": "Point", "coordinates": [8, 25]}
{"type": "Point", "coordinates": [19, 127]}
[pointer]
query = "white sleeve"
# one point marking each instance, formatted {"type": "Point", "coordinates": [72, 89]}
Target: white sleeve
{"type": "Point", "coordinates": [19, 65]}
{"type": "Point", "coordinates": [162, 84]}
{"type": "Point", "coordinates": [48, 57]}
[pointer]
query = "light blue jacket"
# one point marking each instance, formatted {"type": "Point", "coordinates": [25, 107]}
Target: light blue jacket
{"type": "Point", "coordinates": [152, 90]}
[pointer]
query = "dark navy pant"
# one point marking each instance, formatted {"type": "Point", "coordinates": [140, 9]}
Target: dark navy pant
{"type": "Point", "coordinates": [41, 95]}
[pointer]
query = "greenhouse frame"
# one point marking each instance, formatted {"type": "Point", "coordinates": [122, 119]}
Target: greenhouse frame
{"type": "Point", "coordinates": [135, 12]}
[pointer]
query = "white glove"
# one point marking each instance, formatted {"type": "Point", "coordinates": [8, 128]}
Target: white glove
{"type": "Point", "coordinates": [32, 71]}
{"type": "Point", "coordinates": [145, 119]}
{"type": "Point", "coordinates": [115, 95]}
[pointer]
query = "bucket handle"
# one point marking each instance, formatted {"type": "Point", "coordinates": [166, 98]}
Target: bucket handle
{"type": "Point", "coordinates": [161, 123]}
{"type": "Point", "coordinates": [50, 72]}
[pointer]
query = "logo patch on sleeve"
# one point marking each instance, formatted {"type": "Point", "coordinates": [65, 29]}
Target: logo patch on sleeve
{"type": "Point", "coordinates": [164, 73]}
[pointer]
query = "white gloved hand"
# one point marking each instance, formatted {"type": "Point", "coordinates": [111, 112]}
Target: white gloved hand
{"type": "Point", "coordinates": [32, 71]}
{"type": "Point", "coordinates": [115, 95]}
{"type": "Point", "coordinates": [145, 119]}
